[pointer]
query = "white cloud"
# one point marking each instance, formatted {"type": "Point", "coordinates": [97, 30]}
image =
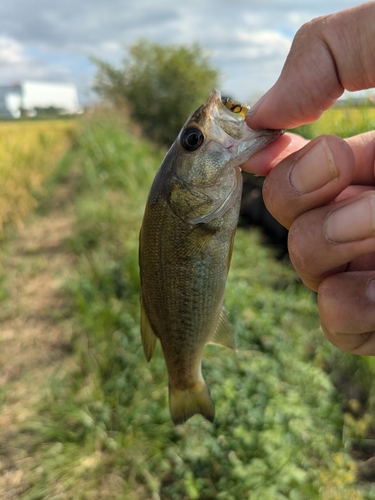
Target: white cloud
{"type": "Point", "coordinates": [110, 46]}
{"type": "Point", "coordinates": [11, 52]}
{"type": "Point", "coordinates": [264, 43]}
{"type": "Point", "coordinates": [17, 63]}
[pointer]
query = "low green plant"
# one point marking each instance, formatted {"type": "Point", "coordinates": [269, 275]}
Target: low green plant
{"type": "Point", "coordinates": [106, 430]}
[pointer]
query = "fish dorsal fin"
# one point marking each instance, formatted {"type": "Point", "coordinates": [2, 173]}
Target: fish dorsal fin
{"type": "Point", "coordinates": [147, 333]}
{"type": "Point", "coordinates": [224, 334]}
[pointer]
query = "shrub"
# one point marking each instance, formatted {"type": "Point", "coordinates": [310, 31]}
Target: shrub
{"type": "Point", "coordinates": [161, 85]}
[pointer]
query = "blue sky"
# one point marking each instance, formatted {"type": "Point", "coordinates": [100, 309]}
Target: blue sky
{"type": "Point", "coordinates": [247, 40]}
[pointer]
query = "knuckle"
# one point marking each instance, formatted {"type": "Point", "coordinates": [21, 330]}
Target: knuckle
{"type": "Point", "coordinates": [276, 199]}
{"type": "Point", "coordinates": [299, 252]}
{"type": "Point", "coordinates": [348, 342]}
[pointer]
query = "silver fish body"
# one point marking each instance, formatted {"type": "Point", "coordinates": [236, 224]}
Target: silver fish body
{"type": "Point", "coordinates": [186, 243]}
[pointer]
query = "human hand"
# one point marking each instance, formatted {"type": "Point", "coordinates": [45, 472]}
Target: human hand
{"type": "Point", "coordinates": [323, 191]}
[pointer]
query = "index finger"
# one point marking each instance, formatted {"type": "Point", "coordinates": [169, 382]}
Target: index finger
{"type": "Point", "coordinates": [266, 159]}
{"type": "Point", "coordinates": [362, 145]}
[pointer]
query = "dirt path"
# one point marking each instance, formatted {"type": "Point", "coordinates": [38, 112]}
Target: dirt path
{"type": "Point", "coordinates": [34, 334]}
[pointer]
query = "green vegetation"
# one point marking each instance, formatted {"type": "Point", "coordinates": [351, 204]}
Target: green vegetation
{"type": "Point", "coordinates": [290, 408]}
{"type": "Point", "coordinates": [160, 84]}
{"type": "Point", "coordinates": [344, 121]}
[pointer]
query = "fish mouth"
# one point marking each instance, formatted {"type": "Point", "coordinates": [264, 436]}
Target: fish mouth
{"type": "Point", "coordinates": [252, 142]}
{"type": "Point", "coordinates": [215, 102]}
{"type": "Point", "coordinates": [226, 114]}
{"type": "Point", "coordinates": [231, 130]}
{"type": "Point", "coordinates": [269, 134]}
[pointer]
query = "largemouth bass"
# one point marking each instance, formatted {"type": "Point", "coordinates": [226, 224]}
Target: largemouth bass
{"type": "Point", "coordinates": [186, 244]}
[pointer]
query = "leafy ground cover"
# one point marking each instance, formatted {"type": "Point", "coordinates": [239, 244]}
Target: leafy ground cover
{"type": "Point", "coordinates": [290, 409]}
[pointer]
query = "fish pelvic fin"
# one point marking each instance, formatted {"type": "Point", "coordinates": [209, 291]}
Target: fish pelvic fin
{"type": "Point", "coordinates": [147, 333]}
{"type": "Point", "coordinates": [224, 334]}
{"type": "Point", "coordinates": [183, 404]}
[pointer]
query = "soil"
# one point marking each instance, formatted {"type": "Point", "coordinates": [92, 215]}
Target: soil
{"type": "Point", "coordinates": [34, 332]}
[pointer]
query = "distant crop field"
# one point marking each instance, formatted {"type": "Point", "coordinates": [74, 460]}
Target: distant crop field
{"type": "Point", "coordinates": [28, 151]}
{"type": "Point", "coordinates": [342, 121]}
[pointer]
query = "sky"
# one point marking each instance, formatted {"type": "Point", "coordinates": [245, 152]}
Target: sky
{"type": "Point", "coordinates": [247, 40]}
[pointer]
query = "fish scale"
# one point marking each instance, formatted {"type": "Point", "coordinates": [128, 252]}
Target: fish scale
{"type": "Point", "coordinates": [186, 243]}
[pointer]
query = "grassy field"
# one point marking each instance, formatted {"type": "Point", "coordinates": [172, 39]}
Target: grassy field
{"type": "Point", "coordinates": [342, 121]}
{"type": "Point", "coordinates": [292, 411]}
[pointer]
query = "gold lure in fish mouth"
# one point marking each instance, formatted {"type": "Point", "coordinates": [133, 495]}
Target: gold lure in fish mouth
{"type": "Point", "coordinates": [236, 107]}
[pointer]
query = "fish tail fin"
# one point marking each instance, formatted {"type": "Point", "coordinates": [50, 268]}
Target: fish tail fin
{"type": "Point", "coordinates": [183, 404]}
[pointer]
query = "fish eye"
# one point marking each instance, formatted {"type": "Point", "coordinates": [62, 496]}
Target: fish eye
{"type": "Point", "coordinates": [191, 139]}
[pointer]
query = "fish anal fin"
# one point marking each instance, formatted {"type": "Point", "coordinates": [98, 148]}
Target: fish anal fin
{"type": "Point", "coordinates": [147, 333]}
{"type": "Point", "coordinates": [224, 334]}
{"type": "Point", "coordinates": [183, 404]}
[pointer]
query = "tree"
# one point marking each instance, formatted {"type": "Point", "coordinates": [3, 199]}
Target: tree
{"type": "Point", "coordinates": [162, 85]}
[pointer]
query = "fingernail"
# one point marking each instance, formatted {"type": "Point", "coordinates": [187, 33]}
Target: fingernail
{"type": "Point", "coordinates": [352, 222]}
{"type": "Point", "coordinates": [371, 290]}
{"type": "Point", "coordinates": [315, 169]}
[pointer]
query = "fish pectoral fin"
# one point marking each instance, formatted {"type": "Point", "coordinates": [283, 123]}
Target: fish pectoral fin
{"type": "Point", "coordinates": [224, 334]}
{"type": "Point", "coordinates": [183, 404]}
{"type": "Point", "coordinates": [147, 333]}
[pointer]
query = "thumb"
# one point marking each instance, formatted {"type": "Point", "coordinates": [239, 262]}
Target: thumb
{"type": "Point", "coordinates": [328, 55]}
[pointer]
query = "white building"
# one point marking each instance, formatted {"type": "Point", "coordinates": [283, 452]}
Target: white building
{"type": "Point", "coordinates": [31, 96]}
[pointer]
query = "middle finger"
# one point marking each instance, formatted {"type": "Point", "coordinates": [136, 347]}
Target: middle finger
{"type": "Point", "coordinates": [311, 177]}
{"type": "Point", "coordinates": [326, 240]}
